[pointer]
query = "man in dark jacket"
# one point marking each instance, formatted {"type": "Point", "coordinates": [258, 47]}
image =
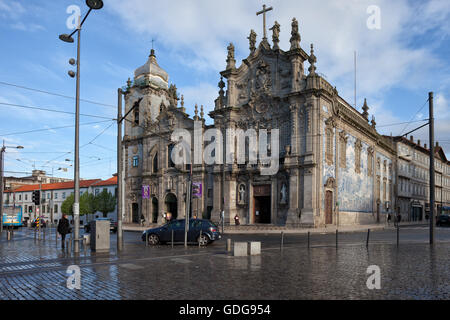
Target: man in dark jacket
{"type": "Point", "coordinates": [63, 228]}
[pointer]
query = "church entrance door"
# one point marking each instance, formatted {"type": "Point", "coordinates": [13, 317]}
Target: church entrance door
{"type": "Point", "coordinates": [135, 212]}
{"type": "Point", "coordinates": [172, 205]}
{"type": "Point", "coordinates": [328, 207]}
{"type": "Point", "coordinates": [154, 210]}
{"type": "Point", "coordinates": [262, 201]}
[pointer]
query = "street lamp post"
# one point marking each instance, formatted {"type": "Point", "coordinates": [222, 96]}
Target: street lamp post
{"type": "Point", "coordinates": [2, 151]}
{"type": "Point", "coordinates": [92, 4]}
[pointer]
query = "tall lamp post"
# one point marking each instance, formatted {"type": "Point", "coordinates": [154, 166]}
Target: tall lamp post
{"type": "Point", "coordinates": [93, 5]}
{"type": "Point", "coordinates": [2, 151]}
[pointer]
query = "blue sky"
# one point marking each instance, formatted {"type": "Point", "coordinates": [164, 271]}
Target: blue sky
{"type": "Point", "coordinates": [397, 65]}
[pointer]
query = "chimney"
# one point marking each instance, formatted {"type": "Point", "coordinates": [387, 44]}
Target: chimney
{"type": "Point", "coordinates": [418, 142]}
{"type": "Point", "coordinates": [411, 138]}
{"type": "Point", "coordinates": [437, 144]}
{"type": "Point", "coordinates": [425, 145]}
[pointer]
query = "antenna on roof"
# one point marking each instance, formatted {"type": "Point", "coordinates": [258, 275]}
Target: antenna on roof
{"type": "Point", "coordinates": [355, 75]}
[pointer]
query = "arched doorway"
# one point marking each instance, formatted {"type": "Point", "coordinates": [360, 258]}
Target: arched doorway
{"type": "Point", "coordinates": [135, 212]}
{"type": "Point", "coordinates": [155, 210]}
{"type": "Point", "coordinates": [172, 205]}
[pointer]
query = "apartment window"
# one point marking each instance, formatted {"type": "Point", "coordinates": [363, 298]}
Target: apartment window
{"type": "Point", "coordinates": [55, 195]}
{"type": "Point", "coordinates": [55, 208]}
{"type": "Point", "coordinates": [97, 191]}
{"type": "Point", "coordinates": [63, 195]}
{"type": "Point", "coordinates": [26, 197]}
{"type": "Point", "coordinates": [20, 197]}
{"type": "Point", "coordinates": [48, 195]}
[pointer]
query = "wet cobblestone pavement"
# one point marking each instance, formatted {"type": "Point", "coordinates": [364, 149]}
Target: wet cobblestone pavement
{"type": "Point", "coordinates": [32, 269]}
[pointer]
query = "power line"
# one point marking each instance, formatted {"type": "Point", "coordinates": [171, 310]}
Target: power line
{"type": "Point", "coordinates": [56, 94]}
{"type": "Point", "coordinates": [399, 123]}
{"type": "Point", "coordinates": [48, 129]}
{"type": "Point", "coordinates": [51, 110]}
{"type": "Point", "coordinates": [401, 133]}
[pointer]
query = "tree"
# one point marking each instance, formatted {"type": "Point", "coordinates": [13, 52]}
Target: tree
{"type": "Point", "coordinates": [67, 205]}
{"type": "Point", "coordinates": [87, 204]}
{"type": "Point", "coordinates": [105, 202]}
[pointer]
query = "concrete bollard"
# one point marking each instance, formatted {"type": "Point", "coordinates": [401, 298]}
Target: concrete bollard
{"type": "Point", "coordinates": [254, 248]}
{"type": "Point", "coordinates": [240, 249]}
{"type": "Point", "coordinates": [308, 240]}
{"type": "Point", "coordinates": [336, 238]}
{"type": "Point", "coordinates": [171, 241]}
{"type": "Point", "coordinates": [200, 238]}
{"type": "Point", "coordinates": [146, 239]}
{"type": "Point", "coordinates": [8, 235]}
{"type": "Point", "coordinates": [228, 245]}
{"type": "Point", "coordinates": [398, 235]}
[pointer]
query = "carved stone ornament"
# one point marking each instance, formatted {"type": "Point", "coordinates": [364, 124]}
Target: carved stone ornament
{"type": "Point", "coordinates": [330, 183]}
{"type": "Point", "coordinates": [135, 149]}
{"type": "Point", "coordinates": [263, 79]}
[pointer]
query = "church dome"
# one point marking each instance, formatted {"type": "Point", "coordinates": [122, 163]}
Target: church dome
{"type": "Point", "coordinates": [153, 72]}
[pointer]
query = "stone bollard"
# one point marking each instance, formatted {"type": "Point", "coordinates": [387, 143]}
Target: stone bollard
{"type": "Point", "coordinates": [254, 248]}
{"type": "Point", "coordinates": [228, 245]}
{"type": "Point", "coordinates": [367, 241]}
{"type": "Point", "coordinates": [240, 249]}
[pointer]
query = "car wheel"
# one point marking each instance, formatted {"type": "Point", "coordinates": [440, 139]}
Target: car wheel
{"type": "Point", "coordinates": [203, 240]}
{"type": "Point", "coordinates": [153, 239]}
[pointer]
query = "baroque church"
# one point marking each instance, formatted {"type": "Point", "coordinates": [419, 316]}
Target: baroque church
{"type": "Point", "coordinates": [334, 167]}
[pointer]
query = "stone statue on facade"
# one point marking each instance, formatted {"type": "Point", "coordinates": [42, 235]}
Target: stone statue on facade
{"type": "Point", "coordinates": [283, 194]}
{"type": "Point", "coordinates": [231, 62]}
{"type": "Point", "coordinates": [252, 40]}
{"type": "Point", "coordinates": [295, 36]}
{"type": "Point", "coordinates": [276, 35]}
{"type": "Point", "coordinates": [242, 194]}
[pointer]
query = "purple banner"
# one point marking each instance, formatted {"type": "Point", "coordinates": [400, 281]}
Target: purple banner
{"type": "Point", "coordinates": [196, 189]}
{"type": "Point", "coordinates": [145, 192]}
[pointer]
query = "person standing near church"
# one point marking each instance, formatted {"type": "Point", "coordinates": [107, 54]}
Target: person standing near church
{"type": "Point", "coordinates": [63, 228]}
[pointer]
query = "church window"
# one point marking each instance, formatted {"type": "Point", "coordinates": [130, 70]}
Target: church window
{"type": "Point", "coordinates": [329, 146]}
{"type": "Point", "coordinates": [135, 161]}
{"type": "Point", "coordinates": [170, 163]}
{"type": "Point", "coordinates": [358, 147]}
{"type": "Point", "coordinates": [155, 163]}
{"type": "Point", "coordinates": [343, 150]}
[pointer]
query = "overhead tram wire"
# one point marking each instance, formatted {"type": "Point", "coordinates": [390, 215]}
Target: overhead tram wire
{"type": "Point", "coordinates": [406, 126]}
{"type": "Point", "coordinates": [55, 128]}
{"type": "Point", "coordinates": [399, 123]}
{"type": "Point", "coordinates": [57, 94]}
{"type": "Point", "coordinates": [52, 110]}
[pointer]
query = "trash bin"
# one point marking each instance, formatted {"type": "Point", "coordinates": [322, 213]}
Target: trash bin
{"type": "Point", "coordinates": [99, 238]}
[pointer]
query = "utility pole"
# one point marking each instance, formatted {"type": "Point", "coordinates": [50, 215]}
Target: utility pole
{"type": "Point", "coordinates": [40, 210]}
{"type": "Point", "coordinates": [1, 186]}
{"type": "Point", "coordinates": [188, 205]}
{"type": "Point", "coordinates": [119, 169]}
{"type": "Point", "coordinates": [432, 182]}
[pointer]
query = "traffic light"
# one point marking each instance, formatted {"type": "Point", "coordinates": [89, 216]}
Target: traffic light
{"type": "Point", "coordinates": [30, 209]}
{"type": "Point", "coordinates": [36, 197]}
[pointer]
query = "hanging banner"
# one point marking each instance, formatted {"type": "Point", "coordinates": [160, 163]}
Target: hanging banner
{"type": "Point", "coordinates": [145, 192]}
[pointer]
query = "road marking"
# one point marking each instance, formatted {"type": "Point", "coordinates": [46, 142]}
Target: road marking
{"type": "Point", "coordinates": [181, 260]}
{"type": "Point", "coordinates": [131, 266]}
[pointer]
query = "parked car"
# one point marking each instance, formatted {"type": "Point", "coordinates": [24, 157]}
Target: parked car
{"type": "Point", "coordinates": [209, 232]}
{"type": "Point", "coordinates": [112, 225]}
{"type": "Point", "coordinates": [443, 220]}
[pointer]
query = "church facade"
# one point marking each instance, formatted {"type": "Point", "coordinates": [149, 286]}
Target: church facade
{"type": "Point", "coordinates": [333, 167]}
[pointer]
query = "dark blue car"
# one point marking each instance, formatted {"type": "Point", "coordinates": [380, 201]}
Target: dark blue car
{"type": "Point", "coordinates": [163, 234]}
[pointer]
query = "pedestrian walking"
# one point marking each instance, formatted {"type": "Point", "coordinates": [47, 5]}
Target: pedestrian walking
{"type": "Point", "coordinates": [142, 220]}
{"type": "Point", "coordinates": [236, 220]}
{"type": "Point", "coordinates": [388, 218]}
{"type": "Point", "coordinates": [63, 228]}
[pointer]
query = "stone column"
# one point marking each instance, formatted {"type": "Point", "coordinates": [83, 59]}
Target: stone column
{"type": "Point", "coordinates": [293, 211]}
{"type": "Point", "coordinates": [309, 187]}
{"type": "Point", "coordinates": [274, 201]}
{"type": "Point", "coordinates": [295, 141]}
{"type": "Point", "coordinates": [230, 198]}
{"type": "Point", "coordinates": [217, 195]}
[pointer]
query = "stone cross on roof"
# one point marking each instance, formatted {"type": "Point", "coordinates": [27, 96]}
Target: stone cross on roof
{"type": "Point", "coordinates": [263, 12]}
